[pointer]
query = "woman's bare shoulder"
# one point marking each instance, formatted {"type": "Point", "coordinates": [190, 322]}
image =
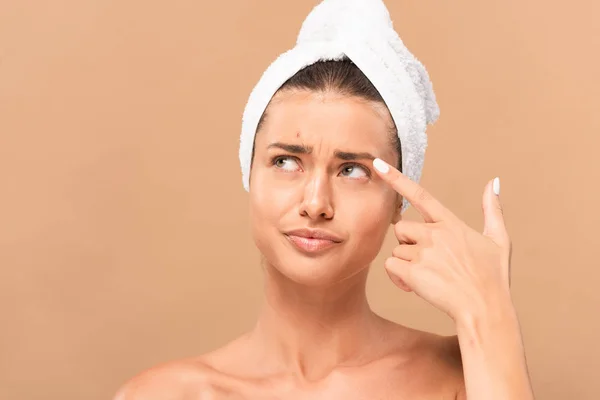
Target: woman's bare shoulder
{"type": "Point", "coordinates": [445, 359]}
{"type": "Point", "coordinates": [430, 357]}
{"type": "Point", "coordinates": [198, 378]}
{"type": "Point", "coordinates": [443, 350]}
{"type": "Point", "coordinates": [169, 381]}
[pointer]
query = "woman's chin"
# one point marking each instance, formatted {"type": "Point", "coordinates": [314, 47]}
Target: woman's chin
{"type": "Point", "coordinates": [313, 272]}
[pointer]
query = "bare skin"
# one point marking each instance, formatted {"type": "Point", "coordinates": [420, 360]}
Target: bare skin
{"type": "Point", "coordinates": [316, 336]}
{"type": "Point", "coordinates": [423, 366]}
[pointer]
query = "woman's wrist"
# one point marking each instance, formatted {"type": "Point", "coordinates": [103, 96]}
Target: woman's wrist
{"type": "Point", "coordinates": [492, 352]}
{"type": "Point", "coordinates": [495, 311]}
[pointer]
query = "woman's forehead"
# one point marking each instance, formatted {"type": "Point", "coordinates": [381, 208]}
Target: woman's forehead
{"type": "Point", "coordinates": [327, 118]}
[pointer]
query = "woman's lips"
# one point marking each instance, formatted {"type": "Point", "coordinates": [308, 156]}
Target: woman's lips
{"type": "Point", "coordinates": [311, 245]}
{"type": "Point", "coordinates": [312, 240]}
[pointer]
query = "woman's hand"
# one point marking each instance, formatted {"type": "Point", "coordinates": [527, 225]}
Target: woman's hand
{"type": "Point", "coordinates": [455, 268]}
{"type": "Point", "coordinates": [466, 274]}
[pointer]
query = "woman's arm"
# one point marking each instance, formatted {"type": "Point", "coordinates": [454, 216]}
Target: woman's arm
{"type": "Point", "coordinates": [466, 274]}
{"type": "Point", "coordinates": [493, 356]}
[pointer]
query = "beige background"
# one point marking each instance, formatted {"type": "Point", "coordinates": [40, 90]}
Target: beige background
{"type": "Point", "coordinates": [124, 236]}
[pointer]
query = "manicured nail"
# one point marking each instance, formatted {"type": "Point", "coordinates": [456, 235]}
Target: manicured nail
{"type": "Point", "coordinates": [381, 165]}
{"type": "Point", "coordinates": [496, 186]}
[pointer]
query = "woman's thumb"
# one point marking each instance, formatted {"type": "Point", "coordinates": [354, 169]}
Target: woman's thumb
{"type": "Point", "coordinates": [494, 226]}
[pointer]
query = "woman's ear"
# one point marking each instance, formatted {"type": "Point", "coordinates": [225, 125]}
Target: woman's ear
{"type": "Point", "coordinates": [397, 217]}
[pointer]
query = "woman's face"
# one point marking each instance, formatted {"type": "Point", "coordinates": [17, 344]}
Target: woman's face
{"type": "Point", "coordinates": [319, 213]}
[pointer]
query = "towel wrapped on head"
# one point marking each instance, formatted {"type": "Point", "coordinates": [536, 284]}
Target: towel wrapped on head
{"type": "Point", "coordinates": [362, 31]}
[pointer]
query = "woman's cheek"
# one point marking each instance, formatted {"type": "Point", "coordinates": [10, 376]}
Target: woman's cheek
{"type": "Point", "coordinates": [271, 194]}
{"type": "Point", "coordinates": [368, 213]}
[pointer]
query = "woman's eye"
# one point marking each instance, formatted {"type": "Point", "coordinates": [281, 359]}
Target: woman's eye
{"type": "Point", "coordinates": [286, 163]}
{"type": "Point", "coordinates": [354, 171]}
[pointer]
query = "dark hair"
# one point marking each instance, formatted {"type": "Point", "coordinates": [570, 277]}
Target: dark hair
{"type": "Point", "coordinates": [342, 76]}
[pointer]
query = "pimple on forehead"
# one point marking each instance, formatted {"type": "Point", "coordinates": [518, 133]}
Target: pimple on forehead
{"type": "Point", "coordinates": [297, 134]}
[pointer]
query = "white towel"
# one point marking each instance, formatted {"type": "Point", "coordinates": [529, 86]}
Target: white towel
{"type": "Point", "coordinates": [361, 30]}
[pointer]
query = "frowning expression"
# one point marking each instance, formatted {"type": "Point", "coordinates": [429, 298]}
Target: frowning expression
{"type": "Point", "coordinates": [319, 213]}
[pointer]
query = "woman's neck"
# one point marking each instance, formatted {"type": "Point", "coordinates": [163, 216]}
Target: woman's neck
{"type": "Point", "coordinates": [309, 331]}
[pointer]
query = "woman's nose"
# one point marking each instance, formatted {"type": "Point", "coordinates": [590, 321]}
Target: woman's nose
{"type": "Point", "coordinates": [317, 202]}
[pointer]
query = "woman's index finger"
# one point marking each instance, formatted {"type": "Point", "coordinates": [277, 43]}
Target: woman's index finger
{"type": "Point", "coordinates": [427, 205]}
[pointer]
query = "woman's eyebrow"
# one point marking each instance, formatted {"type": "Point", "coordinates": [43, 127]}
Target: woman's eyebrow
{"type": "Point", "coordinates": [292, 148]}
{"type": "Point", "coordinates": [349, 156]}
{"type": "Point", "coordinates": [303, 149]}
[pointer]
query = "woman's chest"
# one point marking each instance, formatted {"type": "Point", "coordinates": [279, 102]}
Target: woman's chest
{"type": "Point", "coordinates": [369, 385]}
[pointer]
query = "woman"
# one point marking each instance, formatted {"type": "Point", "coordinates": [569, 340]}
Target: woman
{"type": "Point", "coordinates": [323, 192]}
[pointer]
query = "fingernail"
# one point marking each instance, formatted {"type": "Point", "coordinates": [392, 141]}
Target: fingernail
{"type": "Point", "coordinates": [381, 165]}
{"type": "Point", "coordinates": [496, 186]}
